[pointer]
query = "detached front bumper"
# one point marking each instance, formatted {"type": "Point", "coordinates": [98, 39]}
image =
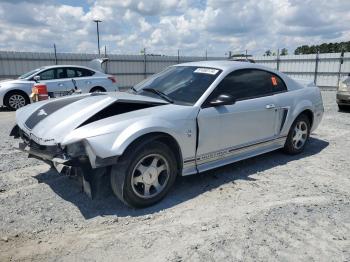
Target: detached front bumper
{"type": "Point", "coordinates": [343, 98]}
{"type": "Point", "coordinates": [46, 155]}
{"type": "Point", "coordinates": [94, 180]}
{"type": "Point", "coordinates": [61, 155]}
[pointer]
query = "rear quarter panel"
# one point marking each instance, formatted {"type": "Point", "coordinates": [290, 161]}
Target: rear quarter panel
{"type": "Point", "coordinates": [102, 81]}
{"type": "Point", "coordinates": [298, 100]}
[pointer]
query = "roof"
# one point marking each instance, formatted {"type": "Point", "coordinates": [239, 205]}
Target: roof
{"type": "Point", "coordinates": [226, 65]}
{"type": "Point", "coordinates": [55, 66]}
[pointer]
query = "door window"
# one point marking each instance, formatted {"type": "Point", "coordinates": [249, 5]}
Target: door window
{"type": "Point", "coordinates": [82, 72]}
{"type": "Point", "coordinates": [61, 73]}
{"type": "Point", "coordinates": [249, 83]}
{"type": "Point", "coordinates": [47, 75]}
{"type": "Point", "coordinates": [70, 73]}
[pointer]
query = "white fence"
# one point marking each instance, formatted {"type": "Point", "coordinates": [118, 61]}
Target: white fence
{"type": "Point", "coordinates": [324, 69]}
{"type": "Point", "coordinates": [129, 69]}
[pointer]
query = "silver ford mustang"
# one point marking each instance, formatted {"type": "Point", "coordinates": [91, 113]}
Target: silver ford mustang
{"type": "Point", "coordinates": [184, 120]}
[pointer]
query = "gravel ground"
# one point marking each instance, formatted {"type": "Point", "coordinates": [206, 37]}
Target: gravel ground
{"type": "Point", "coordinates": [272, 207]}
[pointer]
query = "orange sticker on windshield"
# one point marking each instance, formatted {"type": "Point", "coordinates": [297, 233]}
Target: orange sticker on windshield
{"type": "Point", "coordinates": [274, 81]}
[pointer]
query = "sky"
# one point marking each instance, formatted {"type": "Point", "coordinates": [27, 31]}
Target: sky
{"type": "Point", "coordinates": [166, 26]}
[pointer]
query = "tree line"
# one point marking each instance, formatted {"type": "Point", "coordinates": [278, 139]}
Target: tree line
{"type": "Point", "coordinates": [323, 48]}
{"type": "Point", "coordinates": [313, 49]}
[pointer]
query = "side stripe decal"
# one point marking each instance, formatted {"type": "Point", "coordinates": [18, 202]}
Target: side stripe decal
{"type": "Point", "coordinates": [227, 152]}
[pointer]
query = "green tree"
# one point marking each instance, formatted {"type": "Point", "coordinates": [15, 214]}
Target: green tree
{"type": "Point", "coordinates": [284, 51]}
{"type": "Point", "coordinates": [268, 53]}
{"type": "Point", "coordinates": [323, 48]}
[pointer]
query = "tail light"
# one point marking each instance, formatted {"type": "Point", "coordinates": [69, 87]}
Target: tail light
{"type": "Point", "coordinates": [113, 79]}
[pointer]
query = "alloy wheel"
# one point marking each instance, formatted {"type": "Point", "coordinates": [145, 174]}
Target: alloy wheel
{"type": "Point", "coordinates": [17, 101]}
{"type": "Point", "coordinates": [300, 133]}
{"type": "Point", "coordinates": [150, 176]}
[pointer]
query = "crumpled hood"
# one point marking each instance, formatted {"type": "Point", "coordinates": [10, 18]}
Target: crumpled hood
{"type": "Point", "coordinates": [48, 122]}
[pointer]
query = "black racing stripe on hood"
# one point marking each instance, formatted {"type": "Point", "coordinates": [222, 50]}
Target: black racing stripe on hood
{"type": "Point", "coordinates": [44, 111]}
{"type": "Point", "coordinates": [120, 107]}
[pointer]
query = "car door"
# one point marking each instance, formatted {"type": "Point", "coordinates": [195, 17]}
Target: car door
{"type": "Point", "coordinates": [250, 120]}
{"type": "Point", "coordinates": [49, 78]}
{"type": "Point", "coordinates": [56, 80]}
{"type": "Point", "coordinates": [83, 78]}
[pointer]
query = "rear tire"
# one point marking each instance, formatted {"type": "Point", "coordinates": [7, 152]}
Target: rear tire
{"type": "Point", "coordinates": [15, 100]}
{"type": "Point", "coordinates": [298, 135]}
{"type": "Point", "coordinates": [144, 174]}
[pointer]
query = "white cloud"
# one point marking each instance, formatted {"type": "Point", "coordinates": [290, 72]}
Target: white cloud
{"type": "Point", "coordinates": [165, 26]}
{"type": "Point", "coordinates": [144, 25]}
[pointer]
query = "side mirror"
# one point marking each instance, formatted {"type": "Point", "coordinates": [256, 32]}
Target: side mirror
{"type": "Point", "coordinates": [36, 78]}
{"type": "Point", "coordinates": [223, 99]}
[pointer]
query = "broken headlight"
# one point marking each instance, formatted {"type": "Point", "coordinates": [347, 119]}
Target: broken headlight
{"type": "Point", "coordinates": [76, 149]}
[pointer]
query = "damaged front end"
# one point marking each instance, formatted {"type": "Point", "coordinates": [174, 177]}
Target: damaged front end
{"type": "Point", "coordinates": [76, 134]}
{"type": "Point", "coordinates": [75, 160]}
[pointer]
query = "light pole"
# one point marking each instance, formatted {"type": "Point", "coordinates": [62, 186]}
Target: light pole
{"type": "Point", "coordinates": [98, 35]}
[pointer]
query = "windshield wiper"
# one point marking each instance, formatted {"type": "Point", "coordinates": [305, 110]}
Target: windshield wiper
{"type": "Point", "coordinates": [133, 89]}
{"type": "Point", "coordinates": [159, 93]}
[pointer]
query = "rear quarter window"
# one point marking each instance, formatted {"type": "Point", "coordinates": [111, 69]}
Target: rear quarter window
{"type": "Point", "coordinates": [278, 84]}
{"type": "Point", "coordinates": [82, 72]}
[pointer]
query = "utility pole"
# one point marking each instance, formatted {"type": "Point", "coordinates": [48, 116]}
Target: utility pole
{"type": "Point", "coordinates": [341, 61]}
{"type": "Point", "coordinates": [317, 59]}
{"type": "Point", "coordinates": [54, 48]}
{"type": "Point", "coordinates": [98, 35]}
{"type": "Point", "coordinates": [144, 63]}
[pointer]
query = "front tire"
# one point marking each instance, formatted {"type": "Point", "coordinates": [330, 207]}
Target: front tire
{"type": "Point", "coordinates": [145, 174]}
{"type": "Point", "coordinates": [298, 135]}
{"type": "Point", "coordinates": [15, 100]}
{"type": "Point", "coordinates": [97, 89]}
{"type": "Point", "coordinates": [342, 107]}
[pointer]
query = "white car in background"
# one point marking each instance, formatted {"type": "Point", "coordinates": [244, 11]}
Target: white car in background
{"type": "Point", "coordinates": [15, 93]}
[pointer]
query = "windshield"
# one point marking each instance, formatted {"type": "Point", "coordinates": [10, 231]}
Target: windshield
{"type": "Point", "coordinates": [29, 73]}
{"type": "Point", "coordinates": [182, 84]}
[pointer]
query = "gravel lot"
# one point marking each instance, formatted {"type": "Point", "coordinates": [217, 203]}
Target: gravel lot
{"type": "Point", "coordinates": [270, 208]}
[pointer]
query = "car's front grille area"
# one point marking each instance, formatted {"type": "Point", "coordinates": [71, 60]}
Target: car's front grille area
{"type": "Point", "coordinates": [36, 146]}
{"type": "Point", "coordinates": [50, 151]}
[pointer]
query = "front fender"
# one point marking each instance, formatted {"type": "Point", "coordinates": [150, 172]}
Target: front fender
{"type": "Point", "coordinates": [5, 88]}
{"type": "Point", "coordinates": [114, 144]}
{"type": "Point", "coordinates": [134, 131]}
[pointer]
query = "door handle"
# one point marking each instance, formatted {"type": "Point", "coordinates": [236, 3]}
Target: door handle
{"type": "Point", "coordinates": [60, 84]}
{"type": "Point", "coordinates": [88, 82]}
{"type": "Point", "coordinates": [270, 106]}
